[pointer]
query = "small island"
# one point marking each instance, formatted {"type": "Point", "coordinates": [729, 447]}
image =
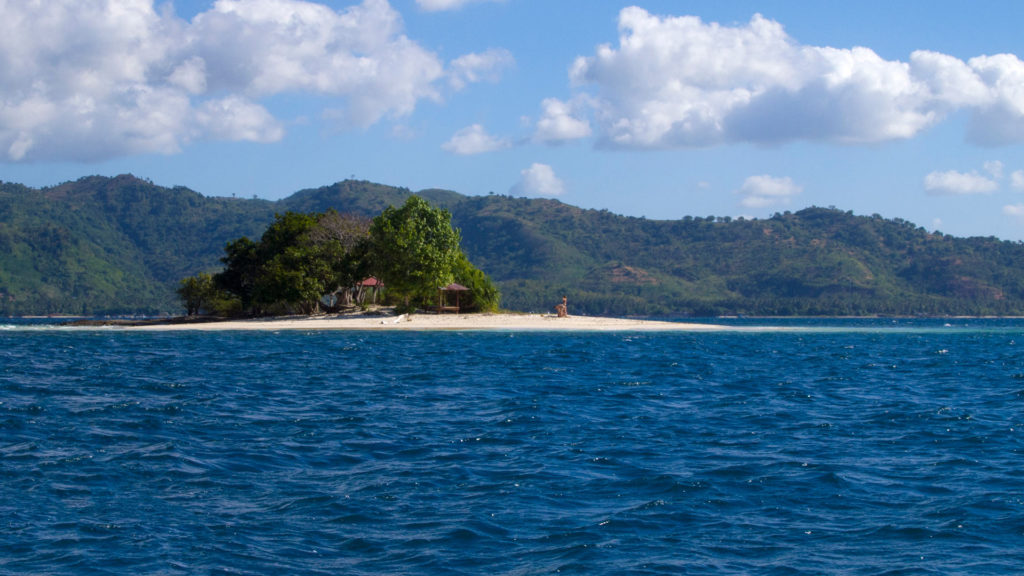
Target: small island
{"type": "Point", "coordinates": [386, 321]}
{"type": "Point", "coordinates": [403, 270]}
{"type": "Point", "coordinates": [407, 258]}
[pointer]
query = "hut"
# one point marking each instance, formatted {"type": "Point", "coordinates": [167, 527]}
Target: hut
{"type": "Point", "coordinates": [371, 286]}
{"type": "Point", "coordinates": [443, 301]}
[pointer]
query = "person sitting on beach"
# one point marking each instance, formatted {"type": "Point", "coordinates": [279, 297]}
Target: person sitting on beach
{"type": "Point", "coordinates": [563, 308]}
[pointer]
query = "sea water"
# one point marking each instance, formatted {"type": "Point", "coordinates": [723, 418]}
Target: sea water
{"type": "Point", "coordinates": [857, 447]}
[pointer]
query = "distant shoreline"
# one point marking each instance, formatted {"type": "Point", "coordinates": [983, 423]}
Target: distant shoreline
{"type": "Point", "coordinates": [406, 322]}
{"type": "Point", "coordinates": [384, 320]}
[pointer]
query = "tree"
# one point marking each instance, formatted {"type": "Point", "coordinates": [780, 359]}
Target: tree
{"type": "Point", "coordinates": [197, 293]}
{"type": "Point", "coordinates": [349, 230]}
{"type": "Point", "coordinates": [241, 270]}
{"type": "Point", "coordinates": [298, 259]}
{"type": "Point", "coordinates": [483, 294]}
{"type": "Point", "coordinates": [414, 250]}
{"type": "Point", "coordinates": [350, 233]}
{"type": "Point", "coordinates": [293, 269]}
{"type": "Point", "coordinates": [302, 257]}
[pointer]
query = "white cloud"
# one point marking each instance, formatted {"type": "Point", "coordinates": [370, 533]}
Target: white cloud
{"type": "Point", "coordinates": [950, 82]}
{"type": "Point", "coordinates": [486, 66]}
{"type": "Point", "coordinates": [268, 47]}
{"type": "Point", "coordinates": [438, 5]}
{"type": "Point", "coordinates": [559, 122]}
{"type": "Point", "coordinates": [74, 81]}
{"type": "Point", "coordinates": [538, 180]}
{"type": "Point", "coordinates": [1017, 180]}
{"type": "Point", "coordinates": [1015, 210]}
{"type": "Point", "coordinates": [999, 119]}
{"type": "Point", "coordinates": [764, 190]}
{"type": "Point", "coordinates": [235, 118]}
{"type": "Point", "coordinates": [190, 76]}
{"type": "Point", "coordinates": [952, 182]}
{"type": "Point", "coordinates": [679, 82]}
{"type": "Point", "coordinates": [90, 79]}
{"type": "Point", "coordinates": [994, 168]}
{"type": "Point", "coordinates": [473, 140]}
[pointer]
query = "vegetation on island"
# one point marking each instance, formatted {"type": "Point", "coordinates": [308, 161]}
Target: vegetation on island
{"type": "Point", "coordinates": [122, 245]}
{"type": "Point", "coordinates": [414, 249]}
{"type": "Point", "coordinates": [303, 261]}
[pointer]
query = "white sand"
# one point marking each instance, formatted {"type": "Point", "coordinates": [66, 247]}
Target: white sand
{"type": "Point", "coordinates": [425, 322]}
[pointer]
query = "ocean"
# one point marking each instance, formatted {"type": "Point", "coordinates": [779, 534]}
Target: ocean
{"type": "Point", "coordinates": [812, 447]}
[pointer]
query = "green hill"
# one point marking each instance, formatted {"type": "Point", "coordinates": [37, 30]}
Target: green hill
{"type": "Point", "coordinates": [111, 245]}
{"type": "Point", "coordinates": [120, 245]}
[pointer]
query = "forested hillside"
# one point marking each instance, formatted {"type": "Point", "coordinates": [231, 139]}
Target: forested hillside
{"type": "Point", "coordinates": [112, 245]}
{"type": "Point", "coordinates": [120, 245]}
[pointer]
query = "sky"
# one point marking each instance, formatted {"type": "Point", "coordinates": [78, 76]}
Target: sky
{"type": "Point", "coordinates": [661, 108]}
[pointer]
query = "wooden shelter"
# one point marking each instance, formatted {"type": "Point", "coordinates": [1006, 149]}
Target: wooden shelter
{"type": "Point", "coordinates": [370, 285]}
{"type": "Point", "coordinates": [443, 299]}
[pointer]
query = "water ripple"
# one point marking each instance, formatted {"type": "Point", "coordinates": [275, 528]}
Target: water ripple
{"type": "Point", "coordinates": [843, 452]}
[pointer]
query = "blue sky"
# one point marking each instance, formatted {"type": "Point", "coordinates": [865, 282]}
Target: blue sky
{"type": "Point", "coordinates": [659, 109]}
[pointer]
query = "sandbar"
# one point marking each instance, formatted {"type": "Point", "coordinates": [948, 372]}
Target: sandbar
{"type": "Point", "coordinates": [435, 322]}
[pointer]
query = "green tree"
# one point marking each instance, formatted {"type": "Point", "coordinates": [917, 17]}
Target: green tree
{"type": "Point", "coordinates": [483, 294]}
{"type": "Point", "coordinates": [241, 270]}
{"type": "Point", "coordinates": [414, 250]}
{"type": "Point", "coordinates": [298, 259]}
{"type": "Point", "coordinates": [292, 270]}
{"type": "Point", "coordinates": [197, 293]}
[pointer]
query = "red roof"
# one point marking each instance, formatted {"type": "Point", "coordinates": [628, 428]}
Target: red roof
{"type": "Point", "coordinates": [371, 281]}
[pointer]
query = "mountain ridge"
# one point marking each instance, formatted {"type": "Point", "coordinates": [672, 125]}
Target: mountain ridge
{"type": "Point", "coordinates": [115, 245]}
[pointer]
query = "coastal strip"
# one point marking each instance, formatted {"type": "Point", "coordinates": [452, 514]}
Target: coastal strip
{"type": "Point", "coordinates": [429, 322]}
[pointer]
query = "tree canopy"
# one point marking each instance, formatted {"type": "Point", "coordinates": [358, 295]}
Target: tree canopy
{"type": "Point", "coordinates": [196, 292]}
{"type": "Point", "coordinates": [301, 257]}
{"type": "Point", "coordinates": [414, 250]}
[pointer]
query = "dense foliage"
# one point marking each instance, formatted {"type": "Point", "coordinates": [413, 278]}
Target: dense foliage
{"type": "Point", "coordinates": [111, 245]}
{"type": "Point", "coordinates": [414, 250]}
{"type": "Point", "coordinates": [103, 245]}
{"type": "Point", "coordinates": [301, 258]}
{"type": "Point", "coordinates": [198, 293]}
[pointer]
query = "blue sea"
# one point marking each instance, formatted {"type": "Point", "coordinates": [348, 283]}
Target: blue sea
{"type": "Point", "coordinates": [812, 447]}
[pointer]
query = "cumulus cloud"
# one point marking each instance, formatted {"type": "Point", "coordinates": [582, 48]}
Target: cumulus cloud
{"type": "Point", "coordinates": [267, 47]}
{"type": "Point", "coordinates": [994, 168]}
{"type": "Point", "coordinates": [439, 5]}
{"type": "Point", "coordinates": [681, 82]}
{"type": "Point", "coordinates": [473, 140]}
{"type": "Point", "coordinates": [560, 122]}
{"type": "Point", "coordinates": [999, 119]}
{"type": "Point", "coordinates": [764, 190]}
{"type": "Point", "coordinates": [1017, 180]}
{"type": "Point", "coordinates": [538, 180]}
{"type": "Point", "coordinates": [952, 182]}
{"type": "Point", "coordinates": [235, 118]}
{"type": "Point", "coordinates": [483, 67]}
{"type": "Point", "coordinates": [1015, 210]}
{"type": "Point", "coordinates": [92, 79]}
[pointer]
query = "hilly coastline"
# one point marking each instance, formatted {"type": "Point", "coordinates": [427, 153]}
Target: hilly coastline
{"type": "Point", "coordinates": [120, 245]}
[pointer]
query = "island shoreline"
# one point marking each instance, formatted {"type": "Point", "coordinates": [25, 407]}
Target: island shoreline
{"type": "Point", "coordinates": [405, 322]}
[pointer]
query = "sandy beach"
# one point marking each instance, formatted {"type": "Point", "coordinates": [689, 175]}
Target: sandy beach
{"type": "Point", "coordinates": [427, 322]}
